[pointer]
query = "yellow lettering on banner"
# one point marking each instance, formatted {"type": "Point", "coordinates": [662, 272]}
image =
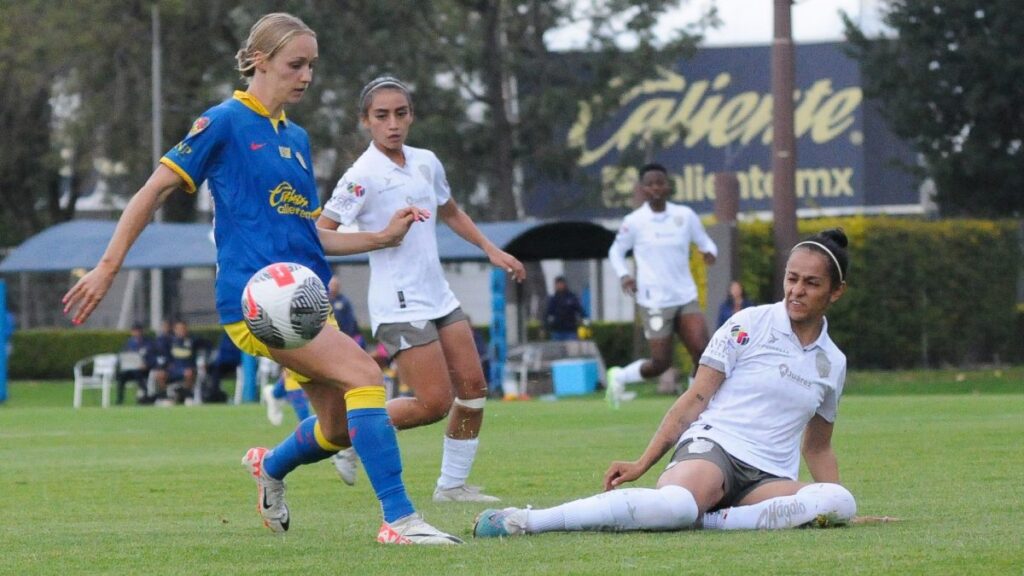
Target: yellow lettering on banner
{"type": "Point", "coordinates": [694, 184]}
{"type": "Point", "coordinates": [699, 110]}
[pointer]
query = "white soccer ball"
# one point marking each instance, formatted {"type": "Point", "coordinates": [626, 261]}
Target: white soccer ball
{"type": "Point", "coordinates": [285, 305]}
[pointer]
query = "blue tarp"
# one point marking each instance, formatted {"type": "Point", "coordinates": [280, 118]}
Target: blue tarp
{"type": "Point", "coordinates": [80, 243]}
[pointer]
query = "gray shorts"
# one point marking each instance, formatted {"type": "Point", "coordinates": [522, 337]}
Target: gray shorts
{"type": "Point", "coordinates": [400, 336]}
{"type": "Point", "coordinates": [661, 322]}
{"type": "Point", "coordinates": [740, 478]}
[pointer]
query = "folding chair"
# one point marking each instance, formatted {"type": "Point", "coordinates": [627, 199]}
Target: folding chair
{"type": "Point", "coordinates": [100, 376]}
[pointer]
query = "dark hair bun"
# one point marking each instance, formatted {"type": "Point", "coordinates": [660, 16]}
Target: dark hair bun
{"type": "Point", "coordinates": [836, 235]}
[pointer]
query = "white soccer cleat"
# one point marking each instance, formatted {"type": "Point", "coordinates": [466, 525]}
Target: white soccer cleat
{"type": "Point", "coordinates": [412, 529]}
{"type": "Point", "coordinates": [346, 462]}
{"type": "Point", "coordinates": [494, 523]}
{"type": "Point", "coordinates": [275, 409]}
{"type": "Point", "coordinates": [464, 493]}
{"type": "Point", "coordinates": [269, 492]}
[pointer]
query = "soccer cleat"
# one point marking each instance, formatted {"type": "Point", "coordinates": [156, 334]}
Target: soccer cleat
{"type": "Point", "coordinates": [412, 529]}
{"type": "Point", "coordinates": [346, 463]}
{"type": "Point", "coordinates": [270, 492]}
{"type": "Point", "coordinates": [614, 388]}
{"type": "Point", "coordinates": [275, 412]}
{"type": "Point", "coordinates": [464, 493]}
{"type": "Point", "coordinates": [494, 523]}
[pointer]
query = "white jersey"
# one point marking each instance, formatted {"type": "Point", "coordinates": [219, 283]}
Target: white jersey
{"type": "Point", "coordinates": [661, 247]}
{"type": "Point", "coordinates": [773, 387]}
{"type": "Point", "coordinates": [407, 283]}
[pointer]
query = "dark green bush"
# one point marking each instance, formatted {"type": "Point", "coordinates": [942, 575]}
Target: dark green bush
{"type": "Point", "coordinates": [52, 352]}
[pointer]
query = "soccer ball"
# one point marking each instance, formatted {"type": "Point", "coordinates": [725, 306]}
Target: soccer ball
{"type": "Point", "coordinates": [285, 305]}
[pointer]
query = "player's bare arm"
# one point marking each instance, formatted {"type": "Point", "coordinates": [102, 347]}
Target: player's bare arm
{"type": "Point", "coordinates": [817, 450]}
{"type": "Point", "coordinates": [463, 225]}
{"type": "Point", "coordinates": [344, 243]}
{"type": "Point", "coordinates": [684, 411]}
{"type": "Point", "coordinates": [83, 298]}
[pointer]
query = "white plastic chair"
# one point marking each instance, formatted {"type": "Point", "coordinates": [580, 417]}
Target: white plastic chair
{"type": "Point", "coordinates": [101, 376]}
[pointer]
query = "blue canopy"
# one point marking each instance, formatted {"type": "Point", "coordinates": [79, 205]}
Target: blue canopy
{"type": "Point", "coordinates": [80, 243]}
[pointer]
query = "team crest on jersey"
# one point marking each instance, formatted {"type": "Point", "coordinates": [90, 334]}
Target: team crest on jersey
{"type": "Point", "coordinates": [739, 335]}
{"type": "Point", "coordinates": [355, 189]}
{"type": "Point", "coordinates": [199, 125]}
{"type": "Point", "coordinates": [821, 362]}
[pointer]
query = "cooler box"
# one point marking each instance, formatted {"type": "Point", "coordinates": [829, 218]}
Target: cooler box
{"type": "Point", "coordinates": [574, 377]}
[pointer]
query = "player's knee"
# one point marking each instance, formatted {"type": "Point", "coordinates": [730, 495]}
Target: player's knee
{"type": "Point", "coordinates": [681, 505]}
{"type": "Point", "coordinates": [832, 500]}
{"type": "Point", "coordinates": [435, 407]}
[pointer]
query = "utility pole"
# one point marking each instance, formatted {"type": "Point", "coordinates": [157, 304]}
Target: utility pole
{"type": "Point", "coordinates": [783, 142]}
{"type": "Point", "coordinates": [156, 278]}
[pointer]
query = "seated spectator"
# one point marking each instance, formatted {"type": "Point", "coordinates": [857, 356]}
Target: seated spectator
{"type": "Point", "coordinates": [145, 347]}
{"type": "Point", "coordinates": [224, 361]}
{"type": "Point", "coordinates": [181, 367]}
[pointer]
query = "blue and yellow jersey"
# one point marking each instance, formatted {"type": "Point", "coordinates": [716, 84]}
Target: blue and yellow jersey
{"type": "Point", "coordinates": [260, 172]}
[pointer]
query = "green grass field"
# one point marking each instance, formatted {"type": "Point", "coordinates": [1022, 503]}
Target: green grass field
{"type": "Point", "coordinates": [136, 490]}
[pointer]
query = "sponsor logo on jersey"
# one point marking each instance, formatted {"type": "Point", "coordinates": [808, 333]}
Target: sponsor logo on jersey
{"type": "Point", "coordinates": [355, 189]}
{"type": "Point", "coordinates": [183, 149]}
{"type": "Point", "coordinates": [739, 335]}
{"type": "Point", "coordinates": [289, 201]}
{"type": "Point", "coordinates": [199, 125]}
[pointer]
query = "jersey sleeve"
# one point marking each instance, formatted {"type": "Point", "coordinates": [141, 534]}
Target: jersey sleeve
{"type": "Point", "coordinates": [441, 188]}
{"type": "Point", "coordinates": [700, 236]}
{"type": "Point", "coordinates": [192, 158]}
{"type": "Point", "coordinates": [624, 240]}
{"type": "Point", "coordinates": [728, 344]}
{"type": "Point", "coordinates": [347, 199]}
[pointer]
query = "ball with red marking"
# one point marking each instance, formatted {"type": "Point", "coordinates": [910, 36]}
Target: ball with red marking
{"type": "Point", "coordinates": [285, 305]}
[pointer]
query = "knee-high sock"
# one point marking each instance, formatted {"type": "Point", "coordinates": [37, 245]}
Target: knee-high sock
{"type": "Point", "coordinates": [299, 402]}
{"type": "Point", "coordinates": [374, 439]}
{"type": "Point", "coordinates": [830, 502]}
{"type": "Point", "coordinates": [307, 444]}
{"type": "Point", "coordinates": [666, 508]}
{"type": "Point", "coordinates": [456, 462]}
{"type": "Point", "coordinates": [631, 372]}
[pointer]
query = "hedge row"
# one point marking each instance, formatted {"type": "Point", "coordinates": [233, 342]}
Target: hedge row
{"type": "Point", "coordinates": [920, 293]}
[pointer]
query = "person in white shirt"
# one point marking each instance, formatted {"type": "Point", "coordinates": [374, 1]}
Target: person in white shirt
{"type": "Point", "coordinates": [767, 389]}
{"type": "Point", "coordinates": [412, 309]}
{"type": "Point", "coordinates": [660, 233]}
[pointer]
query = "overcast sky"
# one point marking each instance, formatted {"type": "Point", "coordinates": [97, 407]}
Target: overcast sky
{"type": "Point", "coordinates": [750, 21]}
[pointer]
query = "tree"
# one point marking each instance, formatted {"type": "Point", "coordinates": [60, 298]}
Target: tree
{"type": "Point", "coordinates": [951, 81]}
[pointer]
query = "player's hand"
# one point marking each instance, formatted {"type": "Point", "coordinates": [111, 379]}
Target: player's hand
{"type": "Point", "coordinates": [621, 472]}
{"type": "Point", "coordinates": [709, 258]}
{"type": "Point", "coordinates": [400, 222]}
{"type": "Point", "coordinates": [508, 263]}
{"type": "Point", "coordinates": [87, 293]}
{"type": "Point", "coordinates": [629, 285]}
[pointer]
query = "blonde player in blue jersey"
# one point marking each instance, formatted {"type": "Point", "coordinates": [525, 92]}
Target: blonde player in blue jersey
{"type": "Point", "coordinates": [258, 166]}
{"type": "Point", "coordinates": [412, 309]}
{"type": "Point", "coordinates": [767, 390]}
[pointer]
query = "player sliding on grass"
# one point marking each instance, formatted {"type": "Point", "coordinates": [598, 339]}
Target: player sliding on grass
{"type": "Point", "coordinates": [259, 169]}
{"type": "Point", "coordinates": [414, 312]}
{"type": "Point", "coordinates": [770, 376]}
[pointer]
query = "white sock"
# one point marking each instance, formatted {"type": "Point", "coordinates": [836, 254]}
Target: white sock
{"type": "Point", "coordinates": [811, 501]}
{"type": "Point", "coordinates": [666, 508]}
{"type": "Point", "coordinates": [631, 373]}
{"type": "Point", "coordinates": [456, 462]}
